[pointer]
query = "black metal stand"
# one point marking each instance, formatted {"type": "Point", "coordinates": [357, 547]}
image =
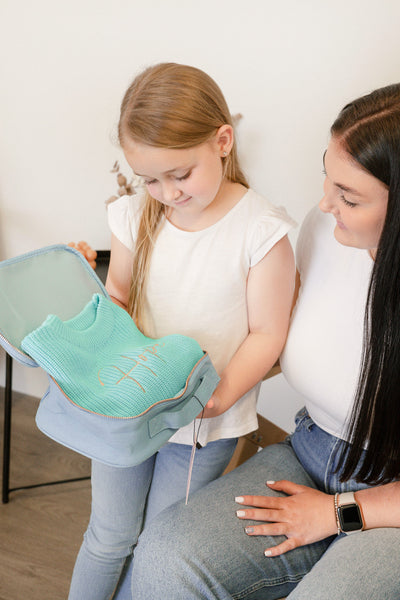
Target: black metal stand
{"type": "Point", "coordinates": [6, 490]}
{"type": "Point", "coordinates": [7, 430]}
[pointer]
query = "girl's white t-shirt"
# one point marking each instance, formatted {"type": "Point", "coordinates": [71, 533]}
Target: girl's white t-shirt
{"type": "Point", "coordinates": [196, 286]}
{"type": "Point", "coordinates": [322, 355]}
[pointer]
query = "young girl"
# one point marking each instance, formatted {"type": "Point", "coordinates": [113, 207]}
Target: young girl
{"type": "Point", "coordinates": [197, 253]}
{"type": "Point", "coordinates": [317, 516]}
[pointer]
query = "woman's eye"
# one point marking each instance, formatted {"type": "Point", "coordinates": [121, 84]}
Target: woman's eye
{"type": "Point", "coordinates": [347, 202]}
{"type": "Point", "coordinates": [150, 182]}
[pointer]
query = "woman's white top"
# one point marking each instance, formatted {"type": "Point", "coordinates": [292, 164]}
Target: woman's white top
{"type": "Point", "coordinates": [196, 286]}
{"type": "Point", "coordinates": [322, 356]}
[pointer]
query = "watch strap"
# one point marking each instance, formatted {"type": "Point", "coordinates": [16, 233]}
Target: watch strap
{"type": "Point", "coordinates": [346, 498]}
{"type": "Point", "coordinates": [335, 501]}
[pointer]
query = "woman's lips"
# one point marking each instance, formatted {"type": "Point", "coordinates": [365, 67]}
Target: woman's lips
{"type": "Point", "coordinates": [340, 224]}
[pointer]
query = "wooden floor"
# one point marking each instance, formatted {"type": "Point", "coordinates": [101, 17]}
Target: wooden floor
{"type": "Point", "coordinates": [40, 529]}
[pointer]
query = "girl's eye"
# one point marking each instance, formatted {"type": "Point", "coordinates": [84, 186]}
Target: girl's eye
{"type": "Point", "coordinates": [150, 182]}
{"type": "Point", "coordinates": [347, 202]}
{"type": "Point", "coordinates": [184, 176]}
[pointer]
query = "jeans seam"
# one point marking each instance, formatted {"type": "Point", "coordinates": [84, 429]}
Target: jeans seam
{"type": "Point", "coordinates": [329, 472]}
{"type": "Point", "coordinates": [265, 583]}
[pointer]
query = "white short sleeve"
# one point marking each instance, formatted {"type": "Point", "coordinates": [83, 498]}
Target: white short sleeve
{"type": "Point", "coordinates": [272, 225]}
{"type": "Point", "coordinates": [123, 218]}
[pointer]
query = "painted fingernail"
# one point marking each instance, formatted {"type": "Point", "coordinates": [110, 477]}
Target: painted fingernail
{"type": "Point", "coordinates": [249, 529]}
{"type": "Point", "coordinates": [270, 482]}
{"type": "Point", "coordinates": [240, 513]}
{"type": "Point", "coordinates": [239, 499]}
{"type": "Point", "coordinates": [268, 553]}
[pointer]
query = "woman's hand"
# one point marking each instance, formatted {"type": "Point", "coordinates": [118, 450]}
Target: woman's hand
{"type": "Point", "coordinates": [304, 516]}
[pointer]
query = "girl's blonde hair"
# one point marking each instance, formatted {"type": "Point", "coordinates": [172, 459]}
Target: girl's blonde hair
{"type": "Point", "coordinates": [169, 106]}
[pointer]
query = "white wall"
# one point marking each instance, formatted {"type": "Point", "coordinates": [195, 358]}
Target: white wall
{"type": "Point", "coordinates": [287, 66]}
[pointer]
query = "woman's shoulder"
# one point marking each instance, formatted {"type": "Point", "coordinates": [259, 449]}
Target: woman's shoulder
{"type": "Point", "coordinates": [316, 232]}
{"type": "Point", "coordinates": [316, 221]}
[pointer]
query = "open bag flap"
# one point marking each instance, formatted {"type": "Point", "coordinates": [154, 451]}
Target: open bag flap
{"type": "Point", "coordinates": [51, 280]}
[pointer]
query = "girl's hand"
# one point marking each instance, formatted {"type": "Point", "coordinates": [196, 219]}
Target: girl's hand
{"type": "Point", "coordinates": [86, 251]}
{"type": "Point", "coordinates": [304, 516]}
{"type": "Point", "coordinates": [213, 408]}
{"type": "Point", "coordinates": [208, 409]}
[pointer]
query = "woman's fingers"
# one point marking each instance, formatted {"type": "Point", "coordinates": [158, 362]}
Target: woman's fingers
{"type": "Point", "coordinates": [303, 515]}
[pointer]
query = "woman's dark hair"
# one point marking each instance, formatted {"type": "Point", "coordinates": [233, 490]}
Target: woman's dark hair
{"type": "Point", "coordinates": [369, 130]}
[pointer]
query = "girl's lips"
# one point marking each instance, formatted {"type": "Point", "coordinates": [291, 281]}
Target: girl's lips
{"type": "Point", "coordinates": [180, 202]}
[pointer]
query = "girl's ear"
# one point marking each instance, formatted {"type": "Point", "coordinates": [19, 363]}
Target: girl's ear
{"type": "Point", "coordinates": [224, 139]}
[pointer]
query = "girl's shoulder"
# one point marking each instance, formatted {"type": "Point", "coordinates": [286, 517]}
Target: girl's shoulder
{"type": "Point", "coordinates": [124, 216]}
{"type": "Point", "coordinates": [264, 209]}
{"type": "Point", "coordinates": [129, 206]}
{"type": "Point", "coordinates": [267, 224]}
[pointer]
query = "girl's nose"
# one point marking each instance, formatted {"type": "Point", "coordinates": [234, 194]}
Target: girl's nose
{"type": "Point", "coordinates": [170, 191]}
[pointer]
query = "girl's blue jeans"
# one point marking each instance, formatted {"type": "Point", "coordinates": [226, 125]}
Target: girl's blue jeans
{"type": "Point", "coordinates": [124, 500]}
{"type": "Point", "coordinates": [201, 550]}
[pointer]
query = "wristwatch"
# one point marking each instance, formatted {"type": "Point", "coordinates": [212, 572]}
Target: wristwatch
{"type": "Point", "coordinates": [349, 516]}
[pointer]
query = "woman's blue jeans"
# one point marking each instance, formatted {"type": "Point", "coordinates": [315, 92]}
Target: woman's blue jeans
{"type": "Point", "coordinates": [126, 499]}
{"type": "Point", "coordinates": [201, 550]}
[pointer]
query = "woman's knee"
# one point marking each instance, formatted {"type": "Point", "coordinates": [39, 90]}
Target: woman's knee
{"type": "Point", "coordinates": [363, 565]}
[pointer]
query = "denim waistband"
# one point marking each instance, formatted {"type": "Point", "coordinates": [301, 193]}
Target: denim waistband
{"type": "Point", "coordinates": [319, 454]}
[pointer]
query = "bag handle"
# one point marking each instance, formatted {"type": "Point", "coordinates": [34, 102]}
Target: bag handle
{"type": "Point", "coordinates": [183, 415]}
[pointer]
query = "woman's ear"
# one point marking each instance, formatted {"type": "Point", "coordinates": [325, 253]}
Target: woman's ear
{"type": "Point", "coordinates": [224, 139]}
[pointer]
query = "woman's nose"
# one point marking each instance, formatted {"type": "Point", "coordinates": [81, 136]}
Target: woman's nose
{"type": "Point", "coordinates": [326, 204]}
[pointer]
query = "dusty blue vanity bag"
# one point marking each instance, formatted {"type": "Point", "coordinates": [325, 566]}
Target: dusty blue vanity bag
{"type": "Point", "coordinates": [57, 280]}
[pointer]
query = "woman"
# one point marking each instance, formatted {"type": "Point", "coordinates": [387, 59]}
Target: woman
{"type": "Point", "coordinates": [327, 523]}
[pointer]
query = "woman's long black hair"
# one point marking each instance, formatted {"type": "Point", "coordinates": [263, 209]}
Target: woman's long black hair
{"type": "Point", "coordinates": [369, 130]}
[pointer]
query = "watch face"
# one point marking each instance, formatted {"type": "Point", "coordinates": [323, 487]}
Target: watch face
{"type": "Point", "coordinates": [350, 518]}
